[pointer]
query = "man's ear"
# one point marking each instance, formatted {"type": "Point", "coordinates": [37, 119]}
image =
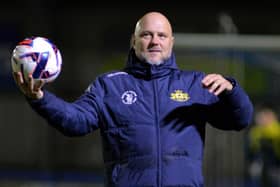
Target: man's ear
{"type": "Point", "coordinates": [132, 41]}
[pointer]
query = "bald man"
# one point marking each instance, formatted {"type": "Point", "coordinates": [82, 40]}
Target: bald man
{"type": "Point", "coordinates": [151, 115]}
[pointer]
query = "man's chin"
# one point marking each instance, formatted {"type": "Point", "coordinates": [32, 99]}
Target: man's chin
{"type": "Point", "coordinates": [151, 60]}
{"type": "Point", "coordinates": [154, 62]}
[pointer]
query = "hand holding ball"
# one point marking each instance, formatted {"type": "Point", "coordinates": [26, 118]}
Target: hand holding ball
{"type": "Point", "coordinates": [37, 56]}
{"type": "Point", "coordinates": [35, 61]}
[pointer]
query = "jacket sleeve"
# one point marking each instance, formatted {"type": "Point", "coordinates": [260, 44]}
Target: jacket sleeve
{"type": "Point", "coordinates": [72, 119]}
{"type": "Point", "coordinates": [233, 111]}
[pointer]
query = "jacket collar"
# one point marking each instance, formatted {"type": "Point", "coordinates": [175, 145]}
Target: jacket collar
{"type": "Point", "coordinates": [148, 71]}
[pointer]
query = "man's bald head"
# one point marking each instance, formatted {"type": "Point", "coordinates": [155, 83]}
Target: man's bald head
{"type": "Point", "coordinates": [151, 17]}
{"type": "Point", "coordinates": [153, 38]}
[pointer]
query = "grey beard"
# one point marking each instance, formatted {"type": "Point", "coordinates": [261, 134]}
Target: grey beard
{"type": "Point", "coordinates": [155, 63]}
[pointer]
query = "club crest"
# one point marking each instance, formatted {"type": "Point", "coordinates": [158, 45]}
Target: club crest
{"type": "Point", "coordinates": [129, 97]}
{"type": "Point", "coordinates": [179, 95]}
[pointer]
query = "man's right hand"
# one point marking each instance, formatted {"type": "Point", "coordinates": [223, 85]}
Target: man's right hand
{"type": "Point", "coordinates": [30, 88]}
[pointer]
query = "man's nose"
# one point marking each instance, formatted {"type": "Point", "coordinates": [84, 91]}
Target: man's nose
{"type": "Point", "coordinates": [155, 39]}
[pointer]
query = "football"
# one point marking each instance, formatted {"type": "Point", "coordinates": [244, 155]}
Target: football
{"type": "Point", "coordinates": [37, 56]}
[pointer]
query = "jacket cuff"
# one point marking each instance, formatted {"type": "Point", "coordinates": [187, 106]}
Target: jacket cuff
{"type": "Point", "coordinates": [35, 102]}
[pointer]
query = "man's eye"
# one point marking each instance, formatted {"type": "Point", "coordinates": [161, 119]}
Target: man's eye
{"type": "Point", "coordinates": [145, 35]}
{"type": "Point", "coordinates": [162, 36]}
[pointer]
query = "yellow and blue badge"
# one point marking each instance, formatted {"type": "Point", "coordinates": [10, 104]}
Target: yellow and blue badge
{"type": "Point", "coordinates": [179, 95]}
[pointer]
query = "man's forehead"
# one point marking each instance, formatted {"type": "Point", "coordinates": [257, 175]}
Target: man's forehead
{"type": "Point", "coordinates": [153, 24]}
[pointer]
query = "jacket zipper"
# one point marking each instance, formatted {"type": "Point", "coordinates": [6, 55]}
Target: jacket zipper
{"type": "Point", "coordinates": [157, 133]}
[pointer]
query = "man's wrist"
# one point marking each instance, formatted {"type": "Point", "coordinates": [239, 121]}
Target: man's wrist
{"type": "Point", "coordinates": [35, 96]}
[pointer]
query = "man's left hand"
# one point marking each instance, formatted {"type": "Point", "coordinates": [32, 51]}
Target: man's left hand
{"type": "Point", "coordinates": [216, 83]}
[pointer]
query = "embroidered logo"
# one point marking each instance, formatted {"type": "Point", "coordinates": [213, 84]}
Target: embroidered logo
{"type": "Point", "coordinates": [129, 97]}
{"type": "Point", "coordinates": [179, 95]}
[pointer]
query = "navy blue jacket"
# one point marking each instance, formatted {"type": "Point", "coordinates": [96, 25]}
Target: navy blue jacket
{"type": "Point", "coordinates": [152, 121]}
